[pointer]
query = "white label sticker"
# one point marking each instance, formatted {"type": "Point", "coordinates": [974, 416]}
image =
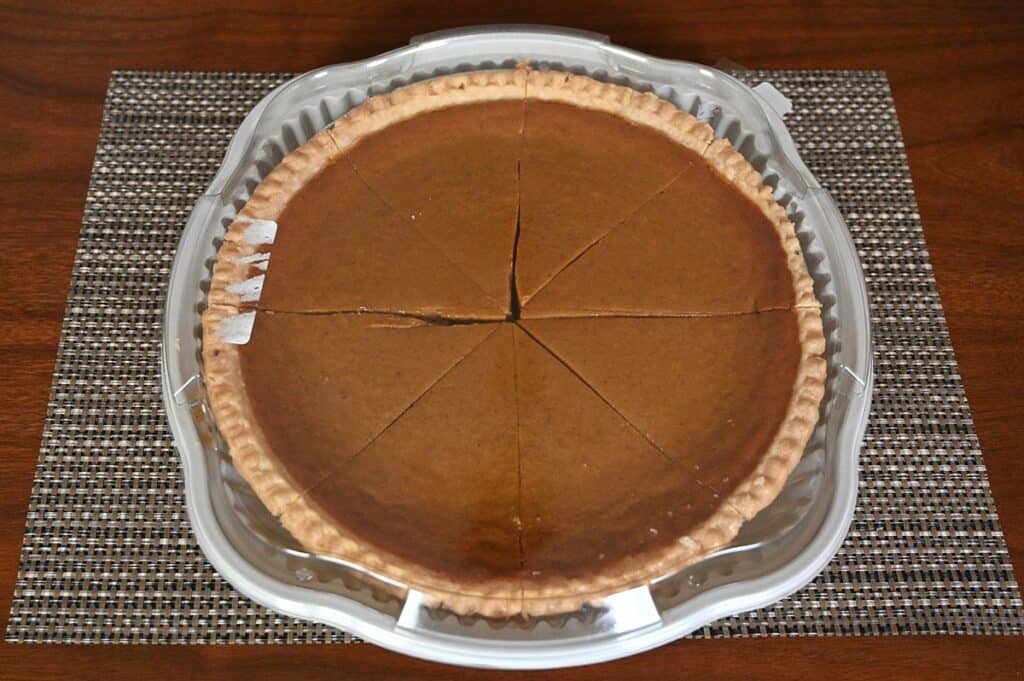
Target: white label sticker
{"type": "Point", "coordinates": [257, 260]}
{"type": "Point", "coordinates": [248, 291]}
{"type": "Point", "coordinates": [260, 232]}
{"type": "Point", "coordinates": [236, 329]}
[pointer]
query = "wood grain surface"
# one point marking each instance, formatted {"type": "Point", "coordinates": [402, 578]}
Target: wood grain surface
{"type": "Point", "coordinates": [957, 71]}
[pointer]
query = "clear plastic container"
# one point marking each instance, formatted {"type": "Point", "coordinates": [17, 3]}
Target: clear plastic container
{"type": "Point", "coordinates": [776, 553]}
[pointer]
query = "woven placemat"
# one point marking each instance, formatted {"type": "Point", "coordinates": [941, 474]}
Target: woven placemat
{"type": "Point", "coordinates": [108, 555]}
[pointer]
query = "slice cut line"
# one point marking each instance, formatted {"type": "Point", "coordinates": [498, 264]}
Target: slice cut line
{"type": "Point", "coordinates": [589, 482]}
{"type": "Point", "coordinates": [716, 253]}
{"type": "Point", "coordinates": [731, 398]}
{"type": "Point", "coordinates": [368, 373]}
{"type": "Point", "coordinates": [445, 523]}
{"type": "Point", "coordinates": [471, 216]}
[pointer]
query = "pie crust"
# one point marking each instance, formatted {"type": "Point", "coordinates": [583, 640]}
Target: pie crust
{"type": "Point", "coordinates": [530, 595]}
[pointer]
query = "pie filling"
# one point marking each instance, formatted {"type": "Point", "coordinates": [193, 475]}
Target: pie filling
{"type": "Point", "coordinates": [517, 353]}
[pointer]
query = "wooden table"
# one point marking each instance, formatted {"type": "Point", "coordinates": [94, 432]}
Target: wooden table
{"type": "Point", "coordinates": [957, 70]}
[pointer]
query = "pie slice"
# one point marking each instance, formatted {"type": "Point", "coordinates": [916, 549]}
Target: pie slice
{"type": "Point", "coordinates": [597, 497]}
{"type": "Point", "coordinates": [453, 172]}
{"type": "Point", "coordinates": [432, 500]}
{"type": "Point", "coordinates": [593, 153]}
{"type": "Point", "coordinates": [699, 247]}
{"type": "Point", "coordinates": [732, 399]}
{"type": "Point", "coordinates": [319, 388]}
{"type": "Point", "coordinates": [333, 245]}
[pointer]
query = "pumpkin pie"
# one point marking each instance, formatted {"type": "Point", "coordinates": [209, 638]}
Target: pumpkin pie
{"type": "Point", "coordinates": [516, 339]}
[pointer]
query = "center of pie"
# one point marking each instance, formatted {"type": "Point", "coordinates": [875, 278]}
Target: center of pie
{"type": "Point", "coordinates": [515, 308]}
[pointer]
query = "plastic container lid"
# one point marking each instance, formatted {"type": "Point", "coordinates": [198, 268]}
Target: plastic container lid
{"type": "Point", "coordinates": [776, 553]}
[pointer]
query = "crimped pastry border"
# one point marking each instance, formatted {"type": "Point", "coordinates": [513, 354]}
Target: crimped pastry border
{"type": "Point", "coordinates": [534, 594]}
{"type": "Point", "coordinates": [643, 108]}
{"type": "Point", "coordinates": [271, 196]}
{"type": "Point", "coordinates": [232, 411]}
{"type": "Point", "coordinates": [766, 481]}
{"type": "Point", "coordinates": [380, 111]}
{"type": "Point", "coordinates": [491, 598]}
{"type": "Point", "coordinates": [551, 595]}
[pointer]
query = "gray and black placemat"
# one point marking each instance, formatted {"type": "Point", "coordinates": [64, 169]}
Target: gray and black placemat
{"type": "Point", "coordinates": [108, 555]}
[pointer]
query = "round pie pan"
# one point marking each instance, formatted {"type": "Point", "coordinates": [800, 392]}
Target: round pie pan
{"type": "Point", "coordinates": [775, 554]}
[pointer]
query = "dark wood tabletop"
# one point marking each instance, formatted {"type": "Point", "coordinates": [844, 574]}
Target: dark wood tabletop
{"type": "Point", "coordinates": [957, 71]}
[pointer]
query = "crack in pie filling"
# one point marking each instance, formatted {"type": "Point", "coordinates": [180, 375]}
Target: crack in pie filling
{"type": "Point", "coordinates": [520, 340]}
